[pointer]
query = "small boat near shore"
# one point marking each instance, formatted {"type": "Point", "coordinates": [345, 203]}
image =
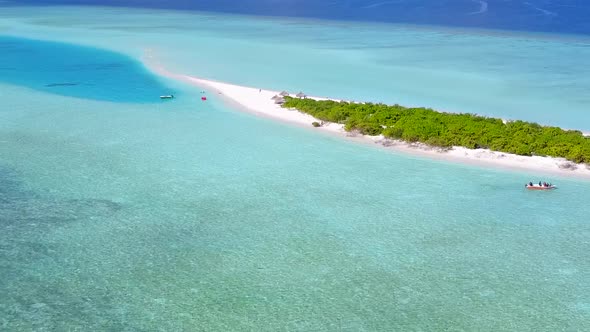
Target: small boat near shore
{"type": "Point", "coordinates": [167, 97]}
{"type": "Point", "coordinates": [540, 187]}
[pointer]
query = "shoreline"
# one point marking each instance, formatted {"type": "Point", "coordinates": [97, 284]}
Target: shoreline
{"type": "Point", "coordinates": [258, 102]}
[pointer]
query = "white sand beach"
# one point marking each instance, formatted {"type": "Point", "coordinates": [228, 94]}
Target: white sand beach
{"type": "Point", "coordinates": [260, 102]}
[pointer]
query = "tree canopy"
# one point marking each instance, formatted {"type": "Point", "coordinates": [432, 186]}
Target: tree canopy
{"type": "Point", "coordinates": [449, 129]}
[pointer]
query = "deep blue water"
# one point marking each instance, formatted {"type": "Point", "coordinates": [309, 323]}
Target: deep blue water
{"type": "Point", "coordinates": [76, 71]}
{"type": "Point", "coordinates": [554, 16]}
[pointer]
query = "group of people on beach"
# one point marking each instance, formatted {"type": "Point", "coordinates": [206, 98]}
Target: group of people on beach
{"type": "Point", "coordinates": [541, 184]}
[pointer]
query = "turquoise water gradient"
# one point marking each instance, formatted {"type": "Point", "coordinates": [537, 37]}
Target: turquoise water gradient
{"type": "Point", "coordinates": [190, 216]}
{"type": "Point", "coordinates": [72, 70]}
{"type": "Point", "coordinates": [176, 216]}
{"type": "Point", "coordinates": [542, 78]}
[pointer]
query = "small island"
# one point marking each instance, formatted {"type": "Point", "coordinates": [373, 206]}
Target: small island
{"type": "Point", "coordinates": [458, 137]}
{"type": "Point", "coordinates": [446, 130]}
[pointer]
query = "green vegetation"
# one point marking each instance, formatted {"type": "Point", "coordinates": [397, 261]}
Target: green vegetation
{"type": "Point", "coordinates": [449, 129]}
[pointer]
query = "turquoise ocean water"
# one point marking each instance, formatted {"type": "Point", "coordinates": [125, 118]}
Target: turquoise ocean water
{"type": "Point", "coordinates": [136, 214]}
{"type": "Point", "coordinates": [543, 78]}
{"type": "Point", "coordinates": [88, 72]}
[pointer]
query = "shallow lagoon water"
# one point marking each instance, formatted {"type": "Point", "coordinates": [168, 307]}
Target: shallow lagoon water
{"type": "Point", "coordinates": [191, 216]}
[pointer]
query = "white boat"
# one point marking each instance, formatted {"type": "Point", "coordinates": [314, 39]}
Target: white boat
{"type": "Point", "coordinates": [167, 97]}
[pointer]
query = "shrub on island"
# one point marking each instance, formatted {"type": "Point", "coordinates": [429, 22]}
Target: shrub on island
{"type": "Point", "coordinates": [315, 124]}
{"type": "Point", "coordinates": [449, 129]}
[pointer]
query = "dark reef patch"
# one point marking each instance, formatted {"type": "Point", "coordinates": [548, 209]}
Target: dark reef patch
{"type": "Point", "coordinates": [51, 85]}
{"type": "Point", "coordinates": [31, 265]}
